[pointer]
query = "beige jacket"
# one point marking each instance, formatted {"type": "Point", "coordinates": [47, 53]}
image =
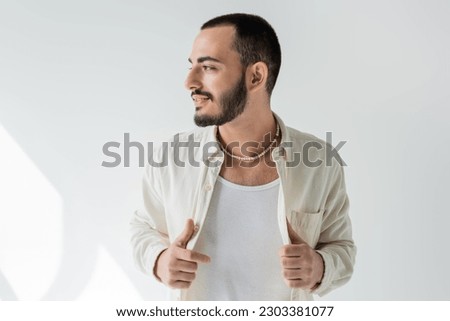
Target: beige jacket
{"type": "Point", "coordinates": [313, 199]}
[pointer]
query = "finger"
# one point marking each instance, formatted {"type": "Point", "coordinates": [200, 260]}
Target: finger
{"type": "Point", "coordinates": [185, 236]}
{"type": "Point", "coordinates": [192, 256]}
{"type": "Point", "coordinates": [292, 274]}
{"type": "Point", "coordinates": [184, 276]}
{"type": "Point", "coordinates": [291, 262]}
{"type": "Point", "coordinates": [179, 284]}
{"type": "Point", "coordinates": [297, 283]}
{"type": "Point", "coordinates": [293, 250]}
{"type": "Point", "coordinates": [186, 266]}
{"type": "Point", "coordinates": [293, 236]}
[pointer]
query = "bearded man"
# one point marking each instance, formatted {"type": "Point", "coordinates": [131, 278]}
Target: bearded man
{"type": "Point", "coordinates": [244, 220]}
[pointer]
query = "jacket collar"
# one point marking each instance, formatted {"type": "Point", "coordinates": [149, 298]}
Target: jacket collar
{"type": "Point", "coordinates": [283, 151]}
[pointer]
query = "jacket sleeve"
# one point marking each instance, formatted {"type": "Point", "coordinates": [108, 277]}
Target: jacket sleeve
{"type": "Point", "coordinates": [335, 243]}
{"type": "Point", "coordinates": [148, 226]}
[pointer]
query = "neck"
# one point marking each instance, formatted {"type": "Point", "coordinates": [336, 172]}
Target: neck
{"type": "Point", "coordinates": [258, 127]}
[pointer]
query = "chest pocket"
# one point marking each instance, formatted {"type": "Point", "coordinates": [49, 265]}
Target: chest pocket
{"type": "Point", "coordinates": [307, 225]}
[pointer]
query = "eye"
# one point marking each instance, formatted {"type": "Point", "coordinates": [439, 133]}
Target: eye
{"type": "Point", "coordinates": [208, 68]}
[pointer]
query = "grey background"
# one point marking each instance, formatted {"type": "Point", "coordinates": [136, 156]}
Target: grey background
{"type": "Point", "coordinates": [77, 74]}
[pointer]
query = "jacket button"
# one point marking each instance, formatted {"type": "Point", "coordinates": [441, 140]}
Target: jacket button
{"type": "Point", "coordinates": [208, 187]}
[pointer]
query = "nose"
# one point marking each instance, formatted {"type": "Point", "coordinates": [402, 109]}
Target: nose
{"type": "Point", "coordinates": [192, 81]}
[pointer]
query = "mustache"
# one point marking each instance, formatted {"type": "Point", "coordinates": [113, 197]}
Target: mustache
{"type": "Point", "coordinates": [202, 93]}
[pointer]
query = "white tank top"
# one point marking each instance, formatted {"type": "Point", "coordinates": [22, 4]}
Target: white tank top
{"type": "Point", "coordinates": [242, 237]}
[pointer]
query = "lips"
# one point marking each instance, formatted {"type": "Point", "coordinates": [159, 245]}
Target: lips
{"type": "Point", "coordinates": [199, 98]}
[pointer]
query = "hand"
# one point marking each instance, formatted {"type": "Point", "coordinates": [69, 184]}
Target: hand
{"type": "Point", "coordinates": [302, 267]}
{"type": "Point", "coordinates": [176, 266]}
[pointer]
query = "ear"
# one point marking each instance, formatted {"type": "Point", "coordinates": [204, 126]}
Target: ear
{"type": "Point", "coordinates": [257, 76]}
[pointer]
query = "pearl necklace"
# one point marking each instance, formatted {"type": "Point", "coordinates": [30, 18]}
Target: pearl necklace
{"type": "Point", "coordinates": [247, 158]}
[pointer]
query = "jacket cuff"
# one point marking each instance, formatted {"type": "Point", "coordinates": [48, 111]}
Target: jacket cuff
{"type": "Point", "coordinates": [155, 252]}
{"type": "Point", "coordinates": [324, 286]}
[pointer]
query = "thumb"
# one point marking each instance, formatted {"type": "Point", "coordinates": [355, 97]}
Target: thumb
{"type": "Point", "coordinates": [294, 237]}
{"type": "Point", "coordinates": [185, 236]}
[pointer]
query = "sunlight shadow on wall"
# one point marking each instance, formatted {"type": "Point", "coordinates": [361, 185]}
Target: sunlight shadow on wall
{"type": "Point", "coordinates": [108, 281]}
{"type": "Point", "coordinates": [30, 225]}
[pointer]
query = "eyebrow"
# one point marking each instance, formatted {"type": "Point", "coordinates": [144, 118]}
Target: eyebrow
{"type": "Point", "coordinates": [205, 58]}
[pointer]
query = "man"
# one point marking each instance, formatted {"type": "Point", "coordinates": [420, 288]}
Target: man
{"type": "Point", "coordinates": [243, 220]}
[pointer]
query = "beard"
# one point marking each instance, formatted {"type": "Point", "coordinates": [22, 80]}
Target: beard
{"type": "Point", "coordinates": [232, 104]}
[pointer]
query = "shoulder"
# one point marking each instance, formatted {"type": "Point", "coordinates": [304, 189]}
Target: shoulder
{"type": "Point", "coordinates": [299, 137]}
{"type": "Point", "coordinates": [313, 151]}
{"type": "Point", "coordinates": [183, 150]}
{"type": "Point", "coordinates": [199, 135]}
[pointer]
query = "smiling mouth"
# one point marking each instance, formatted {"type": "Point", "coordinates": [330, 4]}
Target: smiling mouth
{"type": "Point", "coordinates": [199, 99]}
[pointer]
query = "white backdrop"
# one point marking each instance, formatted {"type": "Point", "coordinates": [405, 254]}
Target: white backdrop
{"type": "Point", "coordinates": [75, 75]}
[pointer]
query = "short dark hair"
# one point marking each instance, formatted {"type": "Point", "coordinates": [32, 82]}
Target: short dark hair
{"type": "Point", "coordinates": [255, 41]}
